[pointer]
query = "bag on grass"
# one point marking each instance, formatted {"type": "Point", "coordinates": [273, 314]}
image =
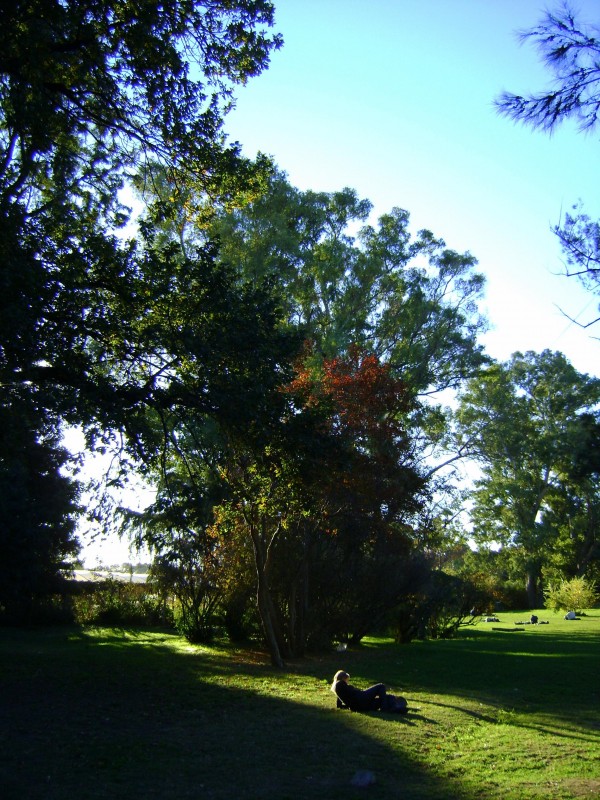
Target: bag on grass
{"type": "Point", "coordinates": [395, 704]}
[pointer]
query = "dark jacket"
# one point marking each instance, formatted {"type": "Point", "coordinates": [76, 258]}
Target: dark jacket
{"type": "Point", "coordinates": [348, 694]}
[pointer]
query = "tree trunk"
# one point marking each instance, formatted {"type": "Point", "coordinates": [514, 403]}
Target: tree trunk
{"type": "Point", "coordinates": [298, 604]}
{"type": "Point", "coordinates": [588, 551]}
{"type": "Point", "coordinates": [266, 612]}
{"type": "Point", "coordinates": [266, 607]}
{"type": "Point", "coordinates": [531, 587]}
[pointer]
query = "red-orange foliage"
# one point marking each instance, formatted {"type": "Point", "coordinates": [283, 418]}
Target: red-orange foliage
{"type": "Point", "coordinates": [362, 406]}
{"type": "Point", "coordinates": [361, 394]}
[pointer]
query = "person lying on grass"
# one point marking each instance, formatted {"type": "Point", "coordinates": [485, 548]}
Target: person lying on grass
{"type": "Point", "coordinates": [375, 698]}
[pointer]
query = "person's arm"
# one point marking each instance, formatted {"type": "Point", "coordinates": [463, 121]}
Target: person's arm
{"type": "Point", "coordinates": [340, 690]}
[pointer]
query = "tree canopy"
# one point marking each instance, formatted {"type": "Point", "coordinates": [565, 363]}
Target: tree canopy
{"type": "Point", "coordinates": [89, 92]}
{"type": "Point", "coordinates": [336, 475]}
{"type": "Point", "coordinates": [569, 49]}
{"type": "Point", "coordinates": [409, 299]}
{"type": "Point", "coordinates": [523, 422]}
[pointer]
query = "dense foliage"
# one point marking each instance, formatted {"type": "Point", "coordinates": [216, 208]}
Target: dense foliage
{"type": "Point", "coordinates": [88, 92]}
{"type": "Point", "coordinates": [325, 488]}
{"type": "Point", "coordinates": [272, 361]}
{"type": "Point", "coordinates": [38, 511]}
{"type": "Point", "coordinates": [573, 595]}
{"type": "Point", "coordinates": [524, 422]}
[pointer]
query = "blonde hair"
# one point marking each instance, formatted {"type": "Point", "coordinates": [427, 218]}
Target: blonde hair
{"type": "Point", "coordinates": [339, 675]}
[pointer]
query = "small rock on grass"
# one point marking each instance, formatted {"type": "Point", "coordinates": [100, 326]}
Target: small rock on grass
{"type": "Point", "coordinates": [363, 778]}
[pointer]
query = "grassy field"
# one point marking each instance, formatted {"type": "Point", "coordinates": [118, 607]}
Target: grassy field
{"type": "Point", "coordinates": [498, 713]}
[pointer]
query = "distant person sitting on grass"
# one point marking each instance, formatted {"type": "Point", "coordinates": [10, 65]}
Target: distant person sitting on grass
{"type": "Point", "coordinates": [375, 698]}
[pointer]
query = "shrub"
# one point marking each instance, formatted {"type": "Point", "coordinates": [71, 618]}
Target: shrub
{"type": "Point", "coordinates": [438, 610]}
{"type": "Point", "coordinates": [194, 596]}
{"type": "Point", "coordinates": [571, 595]}
{"type": "Point", "coordinates": [113, 602]}
{"type": "Point", "coordinates": [239, 616]}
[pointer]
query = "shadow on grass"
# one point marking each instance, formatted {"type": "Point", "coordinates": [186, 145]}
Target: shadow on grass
{"type": "Point", "coordinates": [107, 715]}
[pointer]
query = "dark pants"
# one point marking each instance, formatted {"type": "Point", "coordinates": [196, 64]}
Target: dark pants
{"type": "Point", "coordinates": [370, 699]}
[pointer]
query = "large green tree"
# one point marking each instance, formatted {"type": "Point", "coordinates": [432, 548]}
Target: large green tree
{"type": "Point", "coordinates": [409, 299]}
{"type": "Point", "coordinates": [406, 297]}
{"type": "Point", "coordinates": [38, 511]}
{"type": "Point", "coordinates": [412, 304]}
{"type": "Point", "coordinates": [521, 422]}
{"type": "Point", "coordinates": [333, 495]}
{"type": "Point", "coordinates": [89, 92]}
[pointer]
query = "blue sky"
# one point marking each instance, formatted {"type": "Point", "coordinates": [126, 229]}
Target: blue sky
{"type": "Point", "coordinates": [395, 99]}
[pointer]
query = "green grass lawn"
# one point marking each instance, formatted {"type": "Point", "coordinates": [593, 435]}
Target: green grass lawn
{"type": "Point", "coordinates": [499, 713]}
